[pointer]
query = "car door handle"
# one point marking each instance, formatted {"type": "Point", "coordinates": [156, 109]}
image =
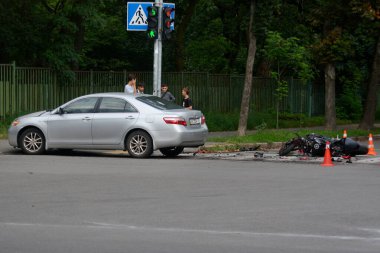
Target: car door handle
{"type": "Point", "coordinates": [130, 117]}
{"type": "Point", "coordinates": [86, 118]}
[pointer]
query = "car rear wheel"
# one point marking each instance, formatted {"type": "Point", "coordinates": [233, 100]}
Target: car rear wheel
{"type": "Point", "coordinates": [171, 152]}
{"type": "Point", "coordinates": [32, 142]}
{"type": "Point", "coordinates": [139, 144]}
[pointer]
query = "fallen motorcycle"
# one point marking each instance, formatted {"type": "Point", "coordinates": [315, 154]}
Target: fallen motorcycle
{"type": "Point", "coordinates": [315, 145]}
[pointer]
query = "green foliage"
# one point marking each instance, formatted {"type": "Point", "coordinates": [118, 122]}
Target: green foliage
{"type": "Point", "coordinates": [287, 58]}
{"type": "Point", "coordinates": [282, 88]}
{"type": "Point", "coordinates": [4, 125]}
{"type": "Point", "coordinates": [214, 48]}
{"type": "Point", "coordinates": [209, 41]}
{"type": "Point", "coordinates": [222, 121]}
{"type": "Point", "coordinates": [349, 105]}
{"type": "Point", "coordinates": [335, 47]}
{"type": "Point", "coordinates": [3, 130]}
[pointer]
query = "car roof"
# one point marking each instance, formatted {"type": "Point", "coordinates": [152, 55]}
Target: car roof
{"type": "Point", "coordinates": [114, 94]}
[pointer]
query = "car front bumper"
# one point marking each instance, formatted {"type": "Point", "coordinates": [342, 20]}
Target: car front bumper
{"type": "Point", "coordinates": [12, 136]}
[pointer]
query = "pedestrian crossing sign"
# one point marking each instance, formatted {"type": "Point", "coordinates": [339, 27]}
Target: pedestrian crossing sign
{"type": "Point", "coordinates": [137, 15]}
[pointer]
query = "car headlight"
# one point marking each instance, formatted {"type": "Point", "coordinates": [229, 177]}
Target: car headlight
{"type": "Point", "coordinates": [15, 122]}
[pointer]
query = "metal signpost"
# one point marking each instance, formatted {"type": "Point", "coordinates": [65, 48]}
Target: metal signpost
{"type": "Point", "coordinates": [137, 21]}
{"type": "Point", "coordinates": [158, 53]}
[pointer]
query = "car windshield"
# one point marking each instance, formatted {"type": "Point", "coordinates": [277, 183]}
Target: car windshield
{"type": "Point", "coordinates": [159, 103]}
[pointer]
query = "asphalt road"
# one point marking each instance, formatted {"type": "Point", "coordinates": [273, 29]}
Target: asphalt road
{"type": "Point", "coordinates": [87, 202]}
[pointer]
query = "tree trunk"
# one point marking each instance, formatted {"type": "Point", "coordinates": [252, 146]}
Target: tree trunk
{"type": "Point", "coordinates": [78, 39]}
{"type": "Point", "coordinates": [368, 119]}
{"type": "Point", "coordinates": [79, 21]}
{"type": "Point", "coordinates": [330, 111]}
{"type": "Point", "coordinates": [245, 101]}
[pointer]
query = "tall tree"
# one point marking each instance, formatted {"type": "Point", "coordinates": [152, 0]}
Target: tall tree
{"type": "Point", "coordinates": [372, 12]}
{"type": "Point", "coordinates": [330, 109]}
{"type": "Point", "coordinates": [244, 110]}
{"type": "Point", "coordinates": [368, 119]}
{"type": "Point", "coordinates": [328, 18]}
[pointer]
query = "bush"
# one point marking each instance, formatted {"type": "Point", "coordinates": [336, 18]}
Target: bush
{"type": "Point", "coordinates": [4, 129]}
{"type": "Point", "coordinates": [5, 122]}
{"type": "Point", "coordinates": [349, 98]}
{"type": "Point", "coordinates": [222, 121]}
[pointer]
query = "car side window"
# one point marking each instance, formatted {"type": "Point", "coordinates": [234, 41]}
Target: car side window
{"type": "Point", "coordinates": [114, 105]}
{"type": "Point", "coordinates": [129, 108]}
{"type": "Point", "coordinates": [84, 105]}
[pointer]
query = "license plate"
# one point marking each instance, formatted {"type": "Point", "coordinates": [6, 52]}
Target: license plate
{"type": "Point", "coordinates": [195, 121]}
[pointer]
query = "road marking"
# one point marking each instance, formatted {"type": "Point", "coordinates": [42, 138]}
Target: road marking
{"type": "Point", "coordinates": [371, 230]}
{"type": "Point", "coordinates": [200, 231]}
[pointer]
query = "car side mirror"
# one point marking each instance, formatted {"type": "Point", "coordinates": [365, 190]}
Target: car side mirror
{"type": "Point", "coordinates": [61, 111]}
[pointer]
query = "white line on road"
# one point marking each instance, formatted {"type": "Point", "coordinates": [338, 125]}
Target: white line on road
{"type": "Point", "coordinates": [184, 230]}
{"type": "Point", "coordinates": [371, 230]}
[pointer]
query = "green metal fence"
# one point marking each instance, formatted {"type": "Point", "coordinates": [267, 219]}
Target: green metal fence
{"type": "Point", "coordinates": [27, 89]}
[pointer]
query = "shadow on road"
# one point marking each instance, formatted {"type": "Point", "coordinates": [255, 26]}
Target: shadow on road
{"type": "Point", "coordinates": [90, 153]}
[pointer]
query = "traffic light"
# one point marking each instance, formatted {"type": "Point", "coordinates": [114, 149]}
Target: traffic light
{"type": "Point", "coordinates": [152, 31]}
{"type": "Point", "coordinates": [166, 22]}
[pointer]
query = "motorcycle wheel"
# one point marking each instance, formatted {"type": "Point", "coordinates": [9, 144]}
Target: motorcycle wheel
{"type": "Point", "coordinates": [286, 149]}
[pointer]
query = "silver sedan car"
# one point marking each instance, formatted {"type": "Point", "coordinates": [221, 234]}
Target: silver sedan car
{"type": "Point", "coordinates": [139, 124]}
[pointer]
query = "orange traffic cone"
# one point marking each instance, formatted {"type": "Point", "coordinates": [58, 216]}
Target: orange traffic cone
{"type": "Point", "coordinates": [327, 159]}
{"type": "Point", "coordinates": [344, 134]}
{"type": "Point", "coordinates": [371, 147]}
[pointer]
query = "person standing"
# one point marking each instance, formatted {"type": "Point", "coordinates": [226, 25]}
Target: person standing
{"type": "Point", "coordinates": [166, 94]}
{"type": "Point", "coordinates": [186, 101]}
{"type": "Point", "coordinates": [140, 88]}
{"type": "Point", "coordinates": [130, 87]}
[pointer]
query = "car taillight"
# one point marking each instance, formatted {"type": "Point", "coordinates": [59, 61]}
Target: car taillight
{"type": "Point", "coordinates": [203, 120]}
{"type": "Point", "coordinates": [175, 121]}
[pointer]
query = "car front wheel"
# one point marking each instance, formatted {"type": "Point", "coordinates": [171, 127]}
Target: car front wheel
{"type": "Point", "coordinates": [32, 142]}
{"type": "Point", "coordinates": [139, 144]}
{"type": "Point", "coordinates": [171, 152]}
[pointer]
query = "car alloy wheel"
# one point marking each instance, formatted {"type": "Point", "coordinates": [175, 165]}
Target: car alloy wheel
{"type": "Point", "coordinates": [32, 141]}
{"type": "Point", "coordinates": [139, 144]}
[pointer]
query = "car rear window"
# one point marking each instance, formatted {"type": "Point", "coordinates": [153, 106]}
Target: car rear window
{"type": "Point", "coordinates": [159, 103]}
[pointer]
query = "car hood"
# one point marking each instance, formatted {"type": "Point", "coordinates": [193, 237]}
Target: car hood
{"type": "Point", "coordinates": [34, 114]}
